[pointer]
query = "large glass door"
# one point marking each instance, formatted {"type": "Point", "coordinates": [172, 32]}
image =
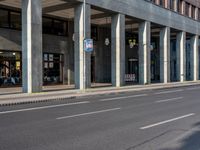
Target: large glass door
{"type": "Point", "coordinates": [133, 70]}
{"type": "Point", "coordinates": [10, 68]}
{"type": "Point", "coordinates": [93, 69]}
{"type": "Point", "coordinates": [53, 68]}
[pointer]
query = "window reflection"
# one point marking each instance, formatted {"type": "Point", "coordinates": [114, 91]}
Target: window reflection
{"type": "Point", "coordinates": [10, 68]}
{"type": "Point", "coordinates": [47, 25]}
{"type": "Point", "coordinates": [59, 27]}
{"type": "Point", "coordinates": [12, 19]}
{"type": "Point", "coordinates": [53, 68]}
{"type": "Point", "coordinates": [15, 20]}
{"type": "Point", "coordinates": [54, 26]}
{"type": "Point", "coordinates": [4, 18]}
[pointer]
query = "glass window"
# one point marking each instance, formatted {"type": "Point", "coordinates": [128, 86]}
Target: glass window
{"type": "Point", "coordinates": [178, 6]}
{"type": "Point", "coordinates": [94, 33]}
{"type": "Point", "coordinates": [59, 27]}
{"type": "Point", "coordinates": [12, 19]}
{"type": "Point", "coordinates": [47, 25]}
{"type": "Point", "coordinates": [193, 12]}
{"type": "Point", "coordinates": [187, 10]}
{"type": "Point", "coordinates": [171, 5]}
{"type": "Point", "coordinates": [52, 26]}
{"type": "Point", "coordinates": [10, 68]}
{"type": "Point", "coordinates": [15, 20]}
{"type": "Point", "coordinates": [198, 14]}
{"type": "Point", "coordinates": [53, 68]}
{"type": "Point", "coordinates": [162, 3]}
{"type": "Point", "coordinates": [4, 18]}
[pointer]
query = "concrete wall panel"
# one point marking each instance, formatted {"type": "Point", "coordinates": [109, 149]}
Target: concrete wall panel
{"type": "Point", "coordinates": [149, 12]}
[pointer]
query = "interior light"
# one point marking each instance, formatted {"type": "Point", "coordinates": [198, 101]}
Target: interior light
{"type": "Point", "coordinates": [107, 41]}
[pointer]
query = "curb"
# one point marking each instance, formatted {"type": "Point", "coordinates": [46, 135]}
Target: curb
{"type": "Point", "coordinates": [92, 93]}
{"type": "Point", "coordinates": [36, 101]}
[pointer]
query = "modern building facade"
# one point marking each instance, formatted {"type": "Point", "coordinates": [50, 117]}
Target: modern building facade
{"type": "Point", "coordinates": [135, 42]}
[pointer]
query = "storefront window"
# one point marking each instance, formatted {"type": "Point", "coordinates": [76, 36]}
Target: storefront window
{"type": "Point", "coordinates": [10, 68]}
{"type": "Point", "coordinates": [53, 68]}
{"type": "Point", "coordinates": [4, 18]}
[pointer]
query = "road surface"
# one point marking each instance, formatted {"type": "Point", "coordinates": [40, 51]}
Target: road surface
{"type": "Point", "coordinates": [167, 119]}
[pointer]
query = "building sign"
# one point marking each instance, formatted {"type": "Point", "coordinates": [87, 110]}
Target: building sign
{"type": "Point", "coordinates": [130, 77]}
{"type": "Point", "coordinates": [88, 45]}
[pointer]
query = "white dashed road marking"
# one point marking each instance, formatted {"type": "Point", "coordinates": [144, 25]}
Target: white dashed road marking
{"type": "Point", "coordinates": [167, 121]}
{"type": "Point", "coordinates": [169, 100]}
{"type": "Point", "coordinates": [89, 113]}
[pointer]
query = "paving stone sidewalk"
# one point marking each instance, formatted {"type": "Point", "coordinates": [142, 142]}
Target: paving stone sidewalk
{"type": "Point", "coordinates": [17, 97]}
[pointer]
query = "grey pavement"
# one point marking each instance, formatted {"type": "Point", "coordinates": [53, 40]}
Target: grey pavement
{"type": "Point", "coordinates": [12, 96]}
{"type": "Point", "coordinates": [157, 119]}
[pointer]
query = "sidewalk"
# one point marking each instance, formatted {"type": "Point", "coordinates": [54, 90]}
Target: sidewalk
{"type": "Point", "coordinates": [12, 96]}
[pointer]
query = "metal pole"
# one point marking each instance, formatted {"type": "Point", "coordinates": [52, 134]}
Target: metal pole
{"type": "Point", "coordinates": [84, 3]}
{"type": "Point", "coordinates": [84, 54]}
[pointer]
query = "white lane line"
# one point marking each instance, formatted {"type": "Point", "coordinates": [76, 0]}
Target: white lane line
{"type": "Point", "coordinates": [44, 107]}
{"type": "Point", "coordinates": [166, 92]}
{"type": "Point", "coordinates": [169, 100]}
{"type": "Point", "coordinates": [124, 97]}
{"type": "Point", "coordinates": [89, 113]}
{"type": "Point", "coordinates": [167, 121]}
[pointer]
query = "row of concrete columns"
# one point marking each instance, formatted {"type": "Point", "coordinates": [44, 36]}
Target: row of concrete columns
{"type": "Point", "coordinates": [32, 49]}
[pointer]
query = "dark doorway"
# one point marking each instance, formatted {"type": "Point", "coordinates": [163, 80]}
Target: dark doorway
{"type": "Point", "coordinates": [93, 69]}
{"type": "Point", "coordinates": [133, 70]}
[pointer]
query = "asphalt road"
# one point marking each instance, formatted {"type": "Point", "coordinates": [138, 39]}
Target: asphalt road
{"type": "Point", "coordinates": [167, 119]}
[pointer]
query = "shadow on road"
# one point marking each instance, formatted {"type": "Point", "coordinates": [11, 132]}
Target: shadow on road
{"type": "Point", "coordinates": [189, 142]}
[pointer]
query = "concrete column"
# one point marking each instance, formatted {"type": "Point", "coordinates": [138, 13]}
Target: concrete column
{"type": "Point", "coordinates": [166, 3]}
{"type": "Point", "coordinates": [194, 58]}
{"type": "Point", "coordinates": [144, 53]}
{"type": "Point", "coordinates": [32, 69]}
{"type": "Point", "coordinates": [196, 13]}
{"type": "Point", "coordinates": [181, 56]}
{"type": "Point", "coordinates": [118, 50]}
{"type": "Point", "coordinates": [183, 7]}
{"type": "Point", "coordinates": [165, 55]}
{"type": "Point", "coordinates": [82, 59]}
{"type": "Point", "coordinates": [190, 10]}
{"type": "Point", "coordinates": [157, 2]}
{"type": "Point", "coordinates": [175, 5]}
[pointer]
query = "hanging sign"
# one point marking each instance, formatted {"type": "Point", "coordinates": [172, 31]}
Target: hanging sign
{"type": "Point", "coordinates": [88, 45]}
